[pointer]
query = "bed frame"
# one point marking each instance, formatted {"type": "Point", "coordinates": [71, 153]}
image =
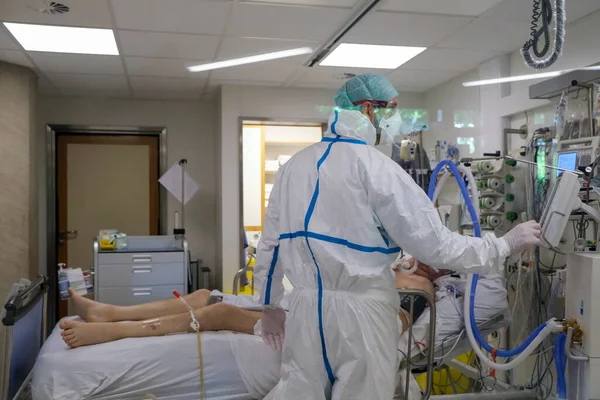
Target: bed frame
{"type": "Point", "coordinates": [25, 332]}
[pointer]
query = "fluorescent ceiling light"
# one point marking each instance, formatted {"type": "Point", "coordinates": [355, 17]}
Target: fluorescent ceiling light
{"type": "Point", "coordinates": [250, 60]}
{"type": "Point", "coordinates": [370, 56]}
{"type": "Point", "coordinates": [64, 39]}
{"type": "Point", "coordinates": [527, 77]}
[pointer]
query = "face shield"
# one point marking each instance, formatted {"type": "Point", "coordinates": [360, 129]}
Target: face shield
{"type": "Point", "coordinates": [392, 133]}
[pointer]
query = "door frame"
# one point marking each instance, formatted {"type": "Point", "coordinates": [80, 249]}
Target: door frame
{"type": "Point", "coordinates": [262, 121]}
{"type": "Point", "coordinates": [52, 133]}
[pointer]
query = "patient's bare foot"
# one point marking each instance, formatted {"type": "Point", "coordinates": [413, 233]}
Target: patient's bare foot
{"type": "Point", "coordinates": [77, 334]}
{"type": "Point", "coordinates": [90, 310]}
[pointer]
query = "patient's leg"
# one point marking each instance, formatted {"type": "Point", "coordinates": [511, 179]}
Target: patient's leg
{"type": "Point", "coordinates": [93, 311]}
{"type": "Point", "coordinates": [215, 317]}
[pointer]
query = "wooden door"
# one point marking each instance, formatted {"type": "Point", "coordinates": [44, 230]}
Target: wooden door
{"type": "Point", "coordinates": [104, 182]}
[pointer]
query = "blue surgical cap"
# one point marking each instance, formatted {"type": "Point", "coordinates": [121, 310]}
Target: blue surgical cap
{"type": "Point", "coordinates": [365, 87]}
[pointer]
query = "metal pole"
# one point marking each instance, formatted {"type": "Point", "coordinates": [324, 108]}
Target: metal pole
{"type": "Point", "coordinates": [182, 164]}
{"type": "Point", "coordinates": [410, 342]}
{"type": "Point", "coordinates": [590, 101]}
{"type": "Point", "coordinates": [422, 161]}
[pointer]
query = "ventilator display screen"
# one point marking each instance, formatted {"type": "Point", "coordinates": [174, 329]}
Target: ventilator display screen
{"type": "Point", "coordinates": [567, 161]}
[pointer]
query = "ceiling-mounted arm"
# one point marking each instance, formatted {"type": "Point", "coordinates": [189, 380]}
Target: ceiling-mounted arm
{"type": "Point", "coordinates": [560, 17]}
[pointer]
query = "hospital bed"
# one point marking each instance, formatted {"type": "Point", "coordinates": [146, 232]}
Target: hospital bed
{"type": "Point", "coordinates": [236, 366]}
{"type": "Point", "coordinates": [24, 324]}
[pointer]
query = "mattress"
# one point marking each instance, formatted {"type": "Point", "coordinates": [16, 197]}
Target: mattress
{"type": "Point", "coordinates": [166, 367]}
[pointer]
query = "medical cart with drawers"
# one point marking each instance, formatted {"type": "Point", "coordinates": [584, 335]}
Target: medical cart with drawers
{"type": "Point", "coordinates": [150, 268]}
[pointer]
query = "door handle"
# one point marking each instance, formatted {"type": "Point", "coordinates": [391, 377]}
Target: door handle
{"type": "Point", "coordinates": [140, 258]}
{"type": "Point", "coordinates": [66, 235]}
{"type": "Point", "coordinates": [142, 270]}
{"type": "Point", "coordinates": [142, 292]}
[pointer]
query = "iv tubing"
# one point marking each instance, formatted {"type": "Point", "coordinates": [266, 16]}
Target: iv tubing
{"type": "Point", "coordinates": [473, 333]}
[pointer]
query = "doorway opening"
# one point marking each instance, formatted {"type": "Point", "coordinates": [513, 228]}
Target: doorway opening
{"type": "Point", "coordinates": [266, 146]}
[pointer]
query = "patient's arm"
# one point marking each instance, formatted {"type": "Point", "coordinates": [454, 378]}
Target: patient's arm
{"type": "Point", "coordinates": [213, 317]}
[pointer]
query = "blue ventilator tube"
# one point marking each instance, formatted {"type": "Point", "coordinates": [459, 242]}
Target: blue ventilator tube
{"type": "Point", "coordinates": [477, 230]}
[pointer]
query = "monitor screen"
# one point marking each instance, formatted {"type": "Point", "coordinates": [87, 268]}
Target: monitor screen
{"type": "Point", "coordinates": [567, 161]}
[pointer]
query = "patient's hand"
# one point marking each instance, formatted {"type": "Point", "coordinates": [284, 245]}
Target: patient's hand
{"type": "Point", "coordinates": [426, 271]}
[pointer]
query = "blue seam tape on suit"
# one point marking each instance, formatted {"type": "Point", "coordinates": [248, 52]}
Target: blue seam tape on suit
{"type": "Point", "coordinates": [343, 242]}
{"type": "Point", "coordinates": [270, 276]}
{"type": "Point", "coordinates": [309, 212]}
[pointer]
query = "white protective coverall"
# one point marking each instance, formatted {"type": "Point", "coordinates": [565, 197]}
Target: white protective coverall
{"type": "Point", "coordinates": [338, 211]}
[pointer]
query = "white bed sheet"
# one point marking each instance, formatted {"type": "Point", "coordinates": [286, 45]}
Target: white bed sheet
{"type": "Point", "coordinates": [236, 367]}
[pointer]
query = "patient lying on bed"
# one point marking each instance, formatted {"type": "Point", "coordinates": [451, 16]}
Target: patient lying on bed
{"type": "Point", "coordinates": [235, 313]}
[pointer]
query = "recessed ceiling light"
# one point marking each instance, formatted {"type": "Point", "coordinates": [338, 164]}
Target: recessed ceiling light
{"type": "Point", "coordinates": [518, 78]}
{"type": "Point", "coordinates": [370, 56]}
{"type": "Point", "coordinates": [250, 60]}
{"type": "Point", "coordinates": [64, 39]}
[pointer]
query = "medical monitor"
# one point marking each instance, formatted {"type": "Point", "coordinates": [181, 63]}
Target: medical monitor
{"type": "Point", "coordinates": [562, 201]}
{"type": "Point", "coordinates": [567, 161]}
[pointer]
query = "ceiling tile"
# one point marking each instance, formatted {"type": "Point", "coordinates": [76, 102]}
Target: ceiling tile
{"type": "Point", "coordinates": [459, 60]}
{"type": "Point", "coordinates": [178, 16]}
{"type": "Point", "coordinates": [327, 76]}
{"type": "Point", "coordinates": [420, 79]}
{"type": "Point", "coordinates": [162, 95]}
{"type": "Point", "coordinates": [285, 22]}
{"type": "Point", "coordinates": [104, 93]}
{"type": "Point", "coordinates": [319, 3]}
{"type": "Point", "coordinates": [78, 63]}
{"type": "Point", "coordinates": [168, 45]}
{"type": "Point", "coordinates": [472, 8]}
{"type": "Point", "coordinates": [15, 57]}
{"type": "Point", "coordinates": [214, 84]}
{"type": "Point", "coordinates": [89, 13]}
{"type": "Point", "coordinates": [489, 34]}
{"type": "Point", "coordinates": [268, 71]}
{"type": "Point", "coordinates": [84, 82]}
{"type": "Point", "coordinates": [233, 47]}
{"type": "Point", "coordinates": [519, 10]}
{"type": "Point", "coordinates": [397, 29]}
{"type": "Point", "coordinates": [162, 67]}
{"type": "Point", "coordinates": [147, 84]}
{"type": "Point", "coordinates": [6, 40]}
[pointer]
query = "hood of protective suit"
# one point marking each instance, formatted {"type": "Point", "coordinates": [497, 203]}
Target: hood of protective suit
{"type": "Point", "coordinates": [353, 125]}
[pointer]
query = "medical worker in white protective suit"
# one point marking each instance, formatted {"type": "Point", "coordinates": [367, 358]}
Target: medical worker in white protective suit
{"type": "Point", "coordinates": [338, 213]}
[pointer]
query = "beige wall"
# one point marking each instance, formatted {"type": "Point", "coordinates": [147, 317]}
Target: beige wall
{"type": "Point", "coordinates": [17, 181]}
{"type": "Point", "coordinates": [191, 135]}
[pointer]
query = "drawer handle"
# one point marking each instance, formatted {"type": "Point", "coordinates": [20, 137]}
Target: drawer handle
{"type": "Point", "coordinates": [141, 258]}
{"type": "Point", "coordinates": [142, 270]}
{"type": "Point", "coordinates": [142, 292]}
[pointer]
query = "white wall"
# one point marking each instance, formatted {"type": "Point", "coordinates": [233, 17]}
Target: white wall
{"type": "Point", "coordinates": [256, 103]}
{"type": "Point", "coordinates": [191, 131]}
{"type": "Point", "coordinates": [442, 102]}
{"type": "Point", "coordinates": [581, 49]}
